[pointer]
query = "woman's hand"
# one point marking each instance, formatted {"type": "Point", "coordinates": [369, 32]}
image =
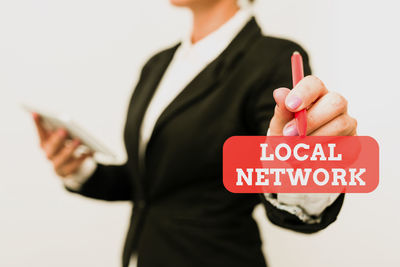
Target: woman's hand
{"type": "Point", "coordinates": [326, 111]}
{"type": "Point", "coordinates": [59, 149]}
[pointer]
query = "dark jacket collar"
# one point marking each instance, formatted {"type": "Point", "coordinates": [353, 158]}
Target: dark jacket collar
{"type": "Point", "coordinates": [211, 75]}
{"type": "Point", "coordinates": [202, 84]}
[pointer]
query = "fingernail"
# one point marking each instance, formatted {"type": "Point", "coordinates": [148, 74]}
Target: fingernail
{"type": "Point", "coordinates": [62, 132]}
{"type": "Point", "coordinates": [76, 142]}
{"type": "Point", "coordinates": [35, 115]}
{"type": "Point", "coordinates": [290, 130]}
{"type": "Point", "coordinates": [293, 101]}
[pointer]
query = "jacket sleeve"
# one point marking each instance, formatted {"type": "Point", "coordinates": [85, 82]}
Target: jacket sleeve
{"type": "Point", "coordinates": [260, 110]}
{"type": "Point", "coordinates": [110, 183]}
{"type": "Point", "coordinates": [290, 221]}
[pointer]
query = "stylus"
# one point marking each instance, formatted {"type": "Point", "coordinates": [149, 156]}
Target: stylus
{"type": "Point", "coordinates": [297, 76]}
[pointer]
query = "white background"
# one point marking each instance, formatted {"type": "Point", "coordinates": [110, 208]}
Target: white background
{"type": "Point", "coordinates": [82, 57]}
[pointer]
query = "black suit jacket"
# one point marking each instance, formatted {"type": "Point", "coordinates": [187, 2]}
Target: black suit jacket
{"type": "Point", "coordinates": [182, 214]}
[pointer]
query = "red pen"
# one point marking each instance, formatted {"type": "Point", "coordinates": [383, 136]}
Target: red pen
{"type": "Point", "coordinates": [297, 76]}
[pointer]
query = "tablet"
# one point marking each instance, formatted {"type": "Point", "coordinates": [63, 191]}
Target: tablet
{"type": "Point", "coordinates": [54, 121]}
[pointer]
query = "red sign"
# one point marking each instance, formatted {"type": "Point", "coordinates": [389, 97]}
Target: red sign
{"type": "Point", "coordinates": [311, 164]}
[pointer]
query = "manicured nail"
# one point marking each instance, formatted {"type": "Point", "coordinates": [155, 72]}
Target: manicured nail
{"type": "Point", "coordinates": [293, 101]}
{"type": "Point", "coordinates": [274, 94]}
{"type": "Point", "coordinates": [290, 130]}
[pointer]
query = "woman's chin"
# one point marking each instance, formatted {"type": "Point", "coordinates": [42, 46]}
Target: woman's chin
{"type": "Point", "coordinates": [183, 3]}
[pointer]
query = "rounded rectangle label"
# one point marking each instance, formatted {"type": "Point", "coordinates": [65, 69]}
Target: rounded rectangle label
{"type": "Point", "coordinates": [311, 164]}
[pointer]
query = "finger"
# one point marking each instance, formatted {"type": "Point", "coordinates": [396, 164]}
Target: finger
{"type": "Point", "coordinates": [306, 92]}
{"type": "Point", "coordinates": [55, 142]}
{"type": "Point", "coordinates": [65, 154]}
{"type": "Point", "coordinates": [343, 125]}
{"type": "Point", "coordinates": [42, 132]}
{"type": "Point", "coordinates": [324, 110]}
{"type": "Point", "coordinates": [281, 115]}
{"type": "Point", "coordinates": [72, 166]}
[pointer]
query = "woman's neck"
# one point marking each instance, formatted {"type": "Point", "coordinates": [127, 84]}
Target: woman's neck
{"type": "Point", "coordinates": [208, 18]}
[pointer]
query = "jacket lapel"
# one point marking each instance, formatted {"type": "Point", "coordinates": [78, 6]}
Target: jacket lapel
{"type": "Point", "coordinates": [141, 97]}
{"type": "Point", "coordinates": [210, 76]}
{"type": "Point", "coordinates": [146, 91]}
{"type": "Point", "coordinates": [195, 90]}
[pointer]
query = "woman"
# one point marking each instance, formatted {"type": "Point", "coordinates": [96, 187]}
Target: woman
{"type": "Point", "coordinates": [190, 98]}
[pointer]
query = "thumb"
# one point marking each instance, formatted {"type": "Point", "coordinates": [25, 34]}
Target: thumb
{"type": "Point", "coordinates": [282, 115]}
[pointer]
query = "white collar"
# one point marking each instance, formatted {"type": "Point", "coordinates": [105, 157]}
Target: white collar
{"type": "Point", "coordinates": [213, 44]}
